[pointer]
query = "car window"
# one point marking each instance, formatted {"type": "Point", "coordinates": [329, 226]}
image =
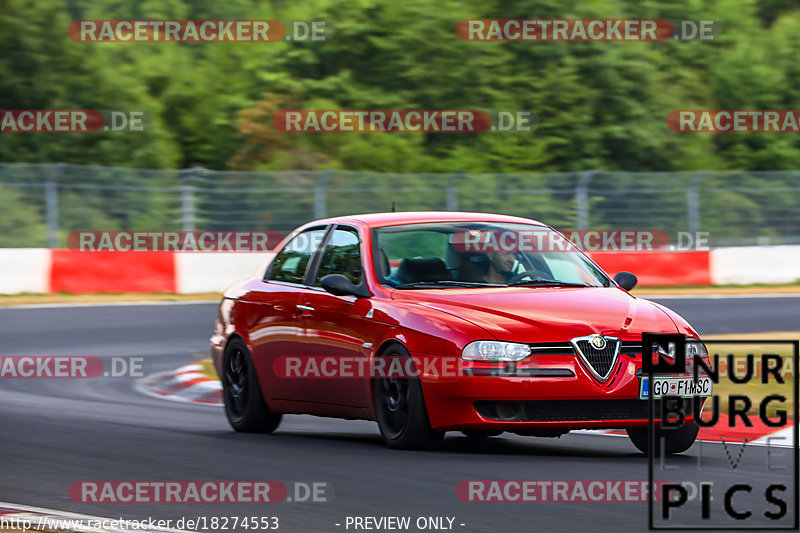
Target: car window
{"type": "Point", "coordinates": [470, 254]}
{"type": "Point", "coordinates": [563, 269]}
{"type": "Point", "coordinates": [291, 263]}
{"type": "Point", "coordinates": [420, 243]}
{"type": "Point", "coordinates": [341, 256]}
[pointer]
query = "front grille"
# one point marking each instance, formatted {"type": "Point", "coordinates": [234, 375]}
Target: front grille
{"type": "Point", "coordinates": [551, 348]}
{"type": "Point", "coordinates": [572, 410]}
{"type": "Point", "coordinates": [600, 361]}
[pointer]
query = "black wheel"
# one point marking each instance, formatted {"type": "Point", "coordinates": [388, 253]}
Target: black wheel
{"type": "Point", "coordinates": [400, 409]}
{"type": "Point", "coordinates": [676, 440]}
{"type": "Point", "coordinates": [244, 405]}
{"type": "Point", "coordinates": [481, 433]}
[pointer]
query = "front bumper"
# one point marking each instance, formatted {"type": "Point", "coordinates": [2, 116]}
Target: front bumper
{"type": "Point", "coordinates": [548, 393]}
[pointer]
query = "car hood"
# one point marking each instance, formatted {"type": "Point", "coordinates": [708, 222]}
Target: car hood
{"type": "Point", "coordinates": [526, 314]}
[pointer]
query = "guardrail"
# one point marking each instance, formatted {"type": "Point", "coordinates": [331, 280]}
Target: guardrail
{"type": "Point", "coordinates": [43, 203]}
{"type": "Point", "coordinates": [34, 270]}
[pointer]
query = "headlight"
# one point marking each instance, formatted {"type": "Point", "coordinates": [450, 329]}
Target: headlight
{"type": "Point", "coordinates": [495, 351]}
{"type": "Point", "coordinates": [695, 347]}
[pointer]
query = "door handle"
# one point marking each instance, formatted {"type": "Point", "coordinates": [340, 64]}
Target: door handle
{"type": "Point", "coordinates": [305, 308]}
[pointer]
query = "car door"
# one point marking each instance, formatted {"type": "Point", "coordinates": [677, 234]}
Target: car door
{"type": "Point", "coordinates": [276, 330]}
{"type": "Point", "coordinates": [336, 331]}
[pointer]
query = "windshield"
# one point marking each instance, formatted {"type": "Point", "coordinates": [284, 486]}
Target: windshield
{"type": "Point", "coordinates": [480, 254]}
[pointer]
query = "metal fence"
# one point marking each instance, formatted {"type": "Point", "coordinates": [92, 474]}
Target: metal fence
{"type": "Point", "coordinates": [43, 203]}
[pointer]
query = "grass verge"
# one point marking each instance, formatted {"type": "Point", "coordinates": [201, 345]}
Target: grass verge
{"type": "Point", "coordinates": [689, 290]}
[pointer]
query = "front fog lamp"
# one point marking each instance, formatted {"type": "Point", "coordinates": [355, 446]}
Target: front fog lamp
{"type": "Point", "coordinates": [495, 351]}
{"type": "Point", "coordinates": [695, 347]}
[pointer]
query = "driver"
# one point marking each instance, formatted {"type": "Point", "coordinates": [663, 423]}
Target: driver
{"type": "Point", "coordinates": [501, 267]}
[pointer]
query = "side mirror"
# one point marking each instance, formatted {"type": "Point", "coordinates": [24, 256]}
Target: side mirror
{"type": "Point", "coordinates": [626, 280]}
{"type": "Point", "coordinates": [340, 285]}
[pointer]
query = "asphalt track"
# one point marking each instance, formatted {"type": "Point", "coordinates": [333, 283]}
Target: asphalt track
{"type": "Point", "coordinates": [56, 432]}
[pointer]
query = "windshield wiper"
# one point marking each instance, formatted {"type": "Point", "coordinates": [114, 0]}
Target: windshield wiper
{"type": "Point", "coordinates": [546, 283]}
{"type": "Point", "coordinates": [444, 284]}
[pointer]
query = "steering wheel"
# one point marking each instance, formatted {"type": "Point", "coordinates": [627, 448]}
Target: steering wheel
{"type": "Point", "coordinates": [533, 274]}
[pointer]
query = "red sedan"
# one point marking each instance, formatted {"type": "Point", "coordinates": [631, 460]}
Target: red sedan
{"type": "Point", "coordinates": [432, 322]}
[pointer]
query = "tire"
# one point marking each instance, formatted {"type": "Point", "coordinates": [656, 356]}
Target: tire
{"type": "Point", "coordinates": [481, 433]}
{"type": "Point", "coordinates": [676, 440]}
{"type": "Point", "coordinates": [400, 410]}
{"type": "Point", "coordinates": [241, 393]}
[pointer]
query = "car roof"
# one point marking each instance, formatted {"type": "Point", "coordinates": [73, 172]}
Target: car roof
{"type": "Point", "coordinates": [377, 220]}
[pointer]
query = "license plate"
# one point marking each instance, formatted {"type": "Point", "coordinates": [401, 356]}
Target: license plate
{"type": "Point", "coordinates": [683, 387]}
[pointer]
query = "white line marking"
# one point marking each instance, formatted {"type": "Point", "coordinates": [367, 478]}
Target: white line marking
{"type": "Point", "coordinates": [783, 438]}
